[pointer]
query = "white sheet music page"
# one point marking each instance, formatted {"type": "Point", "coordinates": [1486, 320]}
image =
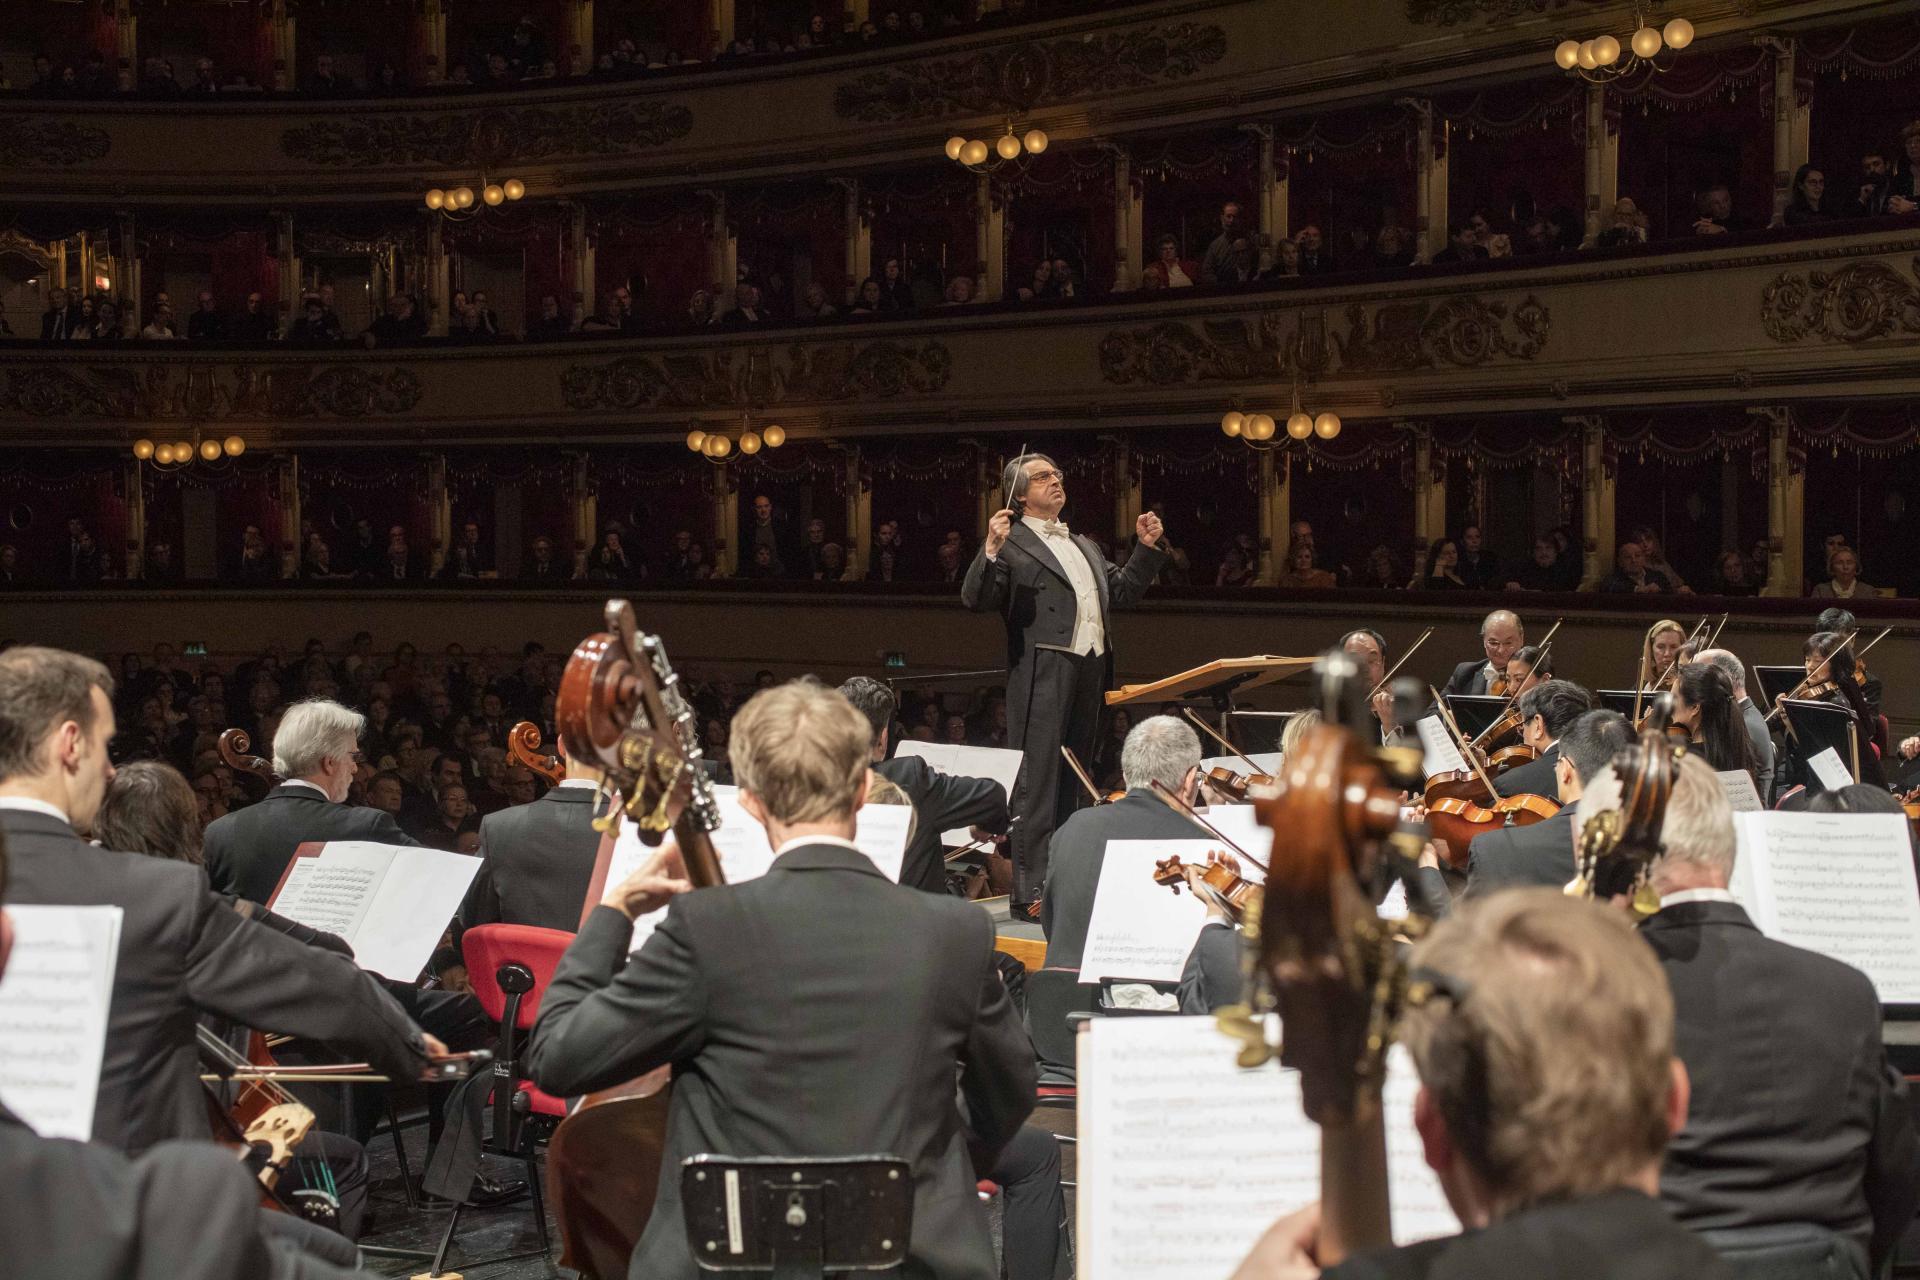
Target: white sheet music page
{"type": "Point", "coordinates": [333, 894]}
{"type": "Point", "coordinates": [1841, 884]}
{"type": "Point", "coordinates": [1140, 929]}
{"type": "Point", "coordinates": [958, 760]}
{"type": "Point", "coordinates": [746, 854]}
{"type": "Point", "coordinates": [1186, 1158]}
{"type": "Point", "coordinates": [1442, 754]}
{"type": "Point", "coordinates": [390, 902]}
{"type": "Point", "coordinates": [54, 1002]}
{"type": "Point", "coordinates": [1241, 824]}
{"type": "Point", "coordinates": [1832, 772]}
{"type": "Point", "coordinates": [1740, 791]}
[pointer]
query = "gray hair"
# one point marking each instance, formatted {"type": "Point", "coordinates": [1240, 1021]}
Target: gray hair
{"type": "Point", "coordinates": [1730, 666]}
{"type": "Point", "coordinates": [1699, 822]}
{"type": "Point", "coordinates": [311, 732]}
{"type": "Point", "coordinates": [1013, 480]}
{"type": "Point", "coordinates": [1159, 749]}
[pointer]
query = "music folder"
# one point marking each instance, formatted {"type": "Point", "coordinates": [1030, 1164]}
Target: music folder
{"type": "Point", "coordinates": [1818, 727]}
{"type": "Point", "coordinates": [1622, 700]}
{"type": "Point", "coordinates": [1777, 682]}
{"type": "Point", "coordinates": [391, 903]}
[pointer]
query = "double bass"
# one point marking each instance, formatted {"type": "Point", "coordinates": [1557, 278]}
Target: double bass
{"type": "Point", "coordinates": [620, 706]}
{"type": "Point", "coordinates": [523, 748]}
{"type": "Point", "coordinates": [1616, 847]}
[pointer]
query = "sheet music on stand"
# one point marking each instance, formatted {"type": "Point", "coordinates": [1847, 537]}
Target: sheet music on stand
{"type": "Point", "coordinates": [1820, 727]}
{"type": "Point", "coordinates": [1186, 1157]}
{"type": "Point", "coordinates": [54, 1002]}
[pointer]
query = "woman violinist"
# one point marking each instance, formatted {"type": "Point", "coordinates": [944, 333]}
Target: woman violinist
{"type": "Point", "coordinates": [1661, 651]}
{"type": "Point", "coordinates": [1831, 672]}
{"type": "Point", "coordinates": [1704, 705]}
{"type": "Point", "coordinates": [1530, 666]}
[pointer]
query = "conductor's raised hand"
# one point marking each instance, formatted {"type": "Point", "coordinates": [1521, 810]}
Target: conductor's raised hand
{"type": "Point", "coordinates": [651, 885]}
{"type": "Point", "coordinates": [997, 530]}
{"type": "Point", "coordinates": [1149, 529]}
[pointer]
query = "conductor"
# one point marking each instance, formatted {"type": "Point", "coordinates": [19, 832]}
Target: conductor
{"type": "Point", "coordinates": [1054, 589]}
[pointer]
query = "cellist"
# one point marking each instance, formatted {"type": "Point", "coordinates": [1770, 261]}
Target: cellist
{"type": "Point", "coordinates": [819, 1010]}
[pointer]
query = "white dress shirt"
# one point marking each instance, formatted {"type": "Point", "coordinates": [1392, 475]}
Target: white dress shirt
{"type": "Point", "coordinates": [28, 804]}
{"type": "Point", "coordinates": [1685, 896]}
{"type": "Point", "coordinates": [1089, 636]}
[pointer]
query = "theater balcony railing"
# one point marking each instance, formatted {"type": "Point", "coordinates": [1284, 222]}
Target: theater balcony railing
{"type": "Point", "coordinates": [1767, 321]}
{"type": "Point", "coordinates": [1148, 68]}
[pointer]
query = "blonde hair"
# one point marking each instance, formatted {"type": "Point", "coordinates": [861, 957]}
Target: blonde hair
{"type": "Point", "coordinates": [1653, 632]}
{"type": "Point", "coordinates": [1297, 726]}
{"type": "Point", "coordinates": [1549, 1050]}
{"type": "Point", "coordinates": [803, 749]}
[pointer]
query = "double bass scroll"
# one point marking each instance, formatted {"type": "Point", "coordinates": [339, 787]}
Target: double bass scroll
{"type": "Point", "coordinates": [523, 748]}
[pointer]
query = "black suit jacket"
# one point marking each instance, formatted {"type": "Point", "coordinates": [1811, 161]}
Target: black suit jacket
{"type": "Point", "coordinates": [183, 952]}
{"type": "Point", "coordinates": [1079, 850]}
{"type": "Point", "coordinates": [1468, 678]}
{"type": "Point", "coordinates": [248, 849]}
{"type": "Point", "coordinates": [820, 1010]}
{"type": "Point", "coordinates": [1796, 1115]}
{"type": "Point", "coordinates": [1618, 1235]}
{"type": "Point", "coordinates": [1535, 778]}
{"type": "Point", "coordinates": [1514, 857]}
{"type": "Point", "coordinates": [1212, 976]}
{"type": "Point", "coordinates": [940, 803]}
{"type": "Point", "coordinates": [80, 1211]}
{"type": "Point", "coordinates": [535, 862]}
{"type": "Point", "coordinates": [1026, 586]}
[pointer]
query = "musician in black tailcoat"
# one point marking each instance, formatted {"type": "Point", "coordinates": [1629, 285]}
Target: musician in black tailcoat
{"type": "Point", "coordinates": [536, 860]}
{"type": "Point", "coordinates": [1055, 591]}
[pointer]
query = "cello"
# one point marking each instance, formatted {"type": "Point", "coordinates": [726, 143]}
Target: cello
{"type": "Point", "coordinates": [523, 748]}
{"type": "Point", "coordinates": [620, 707]}
{"type": "Point", "coordinates": [1617, 846]}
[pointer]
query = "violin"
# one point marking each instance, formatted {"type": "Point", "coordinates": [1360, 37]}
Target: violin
{"type": "Point", "coordinates": [1509, 722]}
{"type": "Point", "coordinates": [1326, 961]}
{"type": "Point", "coordinates": [1086, 779]}
{"type": "Point", "coordinates": [1235, 786]}
{"type": "Point", "coordinates": [523, 748]}
{"type": "Point", "coordinates": [1219, 881]}
{"type": "Point", "coordinates": [620, 706]}
{"type": "Point", "coordinates": [1455, 822]}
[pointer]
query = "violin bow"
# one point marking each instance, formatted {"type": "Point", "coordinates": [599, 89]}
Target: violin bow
{"type": "Point", "coordinates": [1460, 740]}
{"type": "Point", "coordinates": [1811, 680]}
{"type": "Point", "coordinates": [1869, 644]}
{"type": "Point", "coordinates": [1073, 762]}
{"type": "Point", "coordinates": [1220, 738]}
{"type": "Point", "coordinates": [1394, 670]}
{"type": "Point", "coordinates": [1713, 641]}
{"type": "Point", "coordinates": [1166, 793]}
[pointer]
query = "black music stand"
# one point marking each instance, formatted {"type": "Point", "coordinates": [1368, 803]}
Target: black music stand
{"type": "Point", "coordinates": [1259, 730]}
{"type": "Point", "coordinates": [1777, 682]}
{"type": "Point", "coordinates": [798, 1218]}
{"type": "Point", "coordinates": [1474, 712]}
{"type": "Point", "coordinates": [1622, 700]}
{"type": "Point", "coordinates": [1817, 726]}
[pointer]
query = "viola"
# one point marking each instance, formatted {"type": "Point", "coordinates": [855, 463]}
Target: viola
{"type": "Point", "coordinates": [1510, 758]}
{"type": "Point", "coordinates": [1219, 880]}
{"type": "Point", "coordinates": [1235, 786]}
{"type": "Point", "coordinates": [620, 705]}
{"type": "Point", "coordinates": [1454, 823]}
{"type": "Point", "coordinates": [1617, 847]}
{"type": "Point", "coordinates": [523, 748]}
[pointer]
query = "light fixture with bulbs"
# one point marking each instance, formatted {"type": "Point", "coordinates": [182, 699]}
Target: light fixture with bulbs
{"type": "Point", "coordinates": [1258, 429]}
{"type": "Point", "coordinates": [457, 202]}
{"type": "Point", "coordinates": [172, 455]}
{"type": "Point", "coordinates": [716, 446]}
{"type": "Point", "coordinates": [1606, 57]}
{"type": "Point", "coordinates": [984, 157]}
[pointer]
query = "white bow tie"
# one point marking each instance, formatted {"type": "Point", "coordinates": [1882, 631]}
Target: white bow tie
{"type": "Point", "coordinates": [1054, 529]}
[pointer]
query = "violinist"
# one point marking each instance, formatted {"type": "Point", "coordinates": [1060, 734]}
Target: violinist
{"type": "Point", "coordinates": [84, 1211]}
{"type": "Point", "coordinates": [820, 1010]}
{"type": "Point", "coordinates": [1369, 648]}
{"type": "Point", "coordinates": [1545, 711]}
{"type": "Point", "coordinates": [1660, 650]}
{"type": "Point", "coordinates": [1796, 1115]}
{"type": "Point", "coordinates": [1501, 635]}
{"type": "Point", "coordinates": [1759, 738]}
{"type": "Point", "coordinates": [1843, 621]}
{"type": "Point", "coordinates": [1536, 998]}
{"type": "Point", "coordinates": [1704, 705]}
{"type": "Point", "coordinates": [1212, 975]}
{"type": "Point", "coordinates": [183, 951]}
{"type": "Point", "coordinates": [1830, 667]}
{"type": "Point", "coordinates": [1159, 749]}
{"type": "Point", "coordinates": [1541, 854]}
{"type": "Point", "coordinates": [1529, 666]}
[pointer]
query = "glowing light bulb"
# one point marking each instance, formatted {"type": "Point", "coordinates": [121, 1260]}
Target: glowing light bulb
{"type": "Point", "coordinates": [749, 443]}
{"type": "Point", "coordinates": [1587, 58]}
{"type": "Point", "coordinates": [493, 193]}
{"type": "Point", "coordinates": [210, 450]}
{"type": "Point", "coordinates": [1232, 423]}
{"type": "Point", "coordinates": [1567, 54]}
{"type": "Point", "coordinates": [1678, 34]}
{"type": "Point", "coordinates": [436, 199]}
{"type": "Point", "coordinates": [1645, 42]}
{"type": "Point", "coordinates": [955, 145]}
{"type": "Point", "coordinates": [1327, 426]}
{"type": "Point", "coordinates": [1300, 426]}
{"type": "Point", "coordinates": [1008, 146]}
{"type": "Point", "coordinates": [974, 153]}
{"type": "Point", "coordinates": [233, 446]}
{"type": "Point", "coordinates": [1606, 51]}
{"type": "Point", "coordinates": [696, 440]}
{"type": "Point", "coordinates": [1035, 141]}
{"type": "Point", "coordinates": [774, 436]}
{"type": "Point", "coordinates": [143, 449]}
{"type": "Point", "coordinates": [515, 188]}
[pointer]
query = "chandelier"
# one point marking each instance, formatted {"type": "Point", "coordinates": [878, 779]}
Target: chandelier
{"type": "Point", "coordinates": [715, 446]}
{"type": "Point", "coordinates": [170, 457]}
{"type": "Point", "coordinates": [1009, 147]}
{"type": "Point", "coordinates": [1600, 59]}
{"type": "Point", "coordinates": [1259, 428]}
{"type": "Point", "coordinates": [455, 202]}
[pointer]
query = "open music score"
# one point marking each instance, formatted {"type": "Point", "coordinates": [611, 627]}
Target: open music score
{"type": "Point", "coordinates": [54, 1002]}
{"type": "Point", "coordinates": [390, 902]}
{"type": "Point", "coordinates": [1841, 884]}
{"type": "Point", "coordinates": [1139, 929]}
{"type": "Point", "coordinates": [1185, 1157]}
{"type": "Point", "coordinates": [1742, 795]}
{"type": "Point", "coordinates": [744, 851]}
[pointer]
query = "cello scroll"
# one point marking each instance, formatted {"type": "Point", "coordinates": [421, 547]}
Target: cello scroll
{"type": "Point", "coordinates": [523, 748]}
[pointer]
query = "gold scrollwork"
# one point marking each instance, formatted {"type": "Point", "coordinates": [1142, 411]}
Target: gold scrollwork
{"type": "Point", "coordinates": [1854, 303]}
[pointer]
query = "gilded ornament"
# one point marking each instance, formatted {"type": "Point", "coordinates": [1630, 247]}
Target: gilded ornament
{"type": "Point", "coordinates": [30, 143]}
{"type": "Point", "coordinates": [1450, 13]}
{"type": "Point", "coordinates": [206, 393]}
{"type": "Point", "coordinates": [737, 378]}
{"type": "Point", "coordinates": [1022, 75]}
{"type": "Point", "coordinates": [1462, 331]}
{"type": "Point", "coordinates": [492, 137]}
{"type": "Point", "coordinates": [1855, 303]}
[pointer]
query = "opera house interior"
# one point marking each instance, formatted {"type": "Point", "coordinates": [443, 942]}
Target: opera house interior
{"type": "Point", "coordinates": [1367, 554]}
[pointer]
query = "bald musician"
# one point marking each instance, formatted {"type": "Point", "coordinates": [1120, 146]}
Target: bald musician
{"type": "Point", "coordinates": [1369, 649]}
{"type": "Point", "coordinates": [1797, 1120]}
{"type": "Point", "coordinates": [1054, 590]}
{"type": "Point", "coordinates": [1501, 635]}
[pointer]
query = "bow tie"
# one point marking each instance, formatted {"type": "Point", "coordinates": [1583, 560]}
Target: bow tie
{"type": "Point", "coordinates": [1054, 529]}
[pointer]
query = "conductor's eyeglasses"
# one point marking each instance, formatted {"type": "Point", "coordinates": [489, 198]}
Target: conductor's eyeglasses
{"type": "Point", "coordinates": [1045, 475]}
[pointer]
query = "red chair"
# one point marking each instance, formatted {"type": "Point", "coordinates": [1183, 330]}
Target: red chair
{"type": "Point", "coordinates": [510, 967]}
